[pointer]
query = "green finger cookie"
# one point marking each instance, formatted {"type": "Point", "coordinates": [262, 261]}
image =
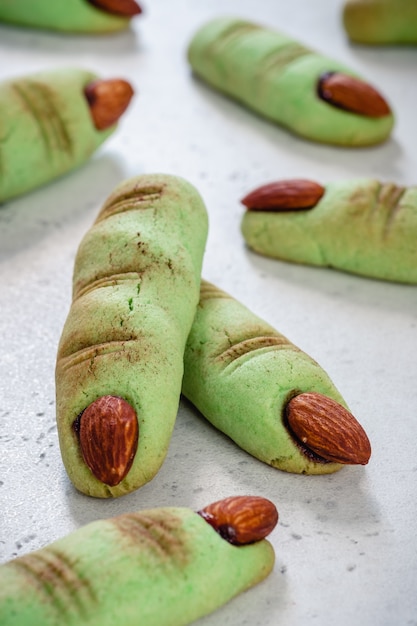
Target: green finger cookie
{"type": "Point", "coordinates": [157, 567]}
{"type": "Point", "coordinates": [360, 226]}
{"type": "Point", "coordinates": [381, 22]}
{"type": "Point", "coordinates": [311, 95]}
{"type": "Point", "coordinates": [268, 396]}
{"type": "Point", "coordinates": [83, 16]}
{"type": "Point", "coordinates": [46, 128]}
{"type": "Point", "coordinates": [120, 359]}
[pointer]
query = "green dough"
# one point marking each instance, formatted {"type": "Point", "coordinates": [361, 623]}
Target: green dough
{"type": "Point", "coordinates": [46, 128]}
{"type": "Point", "coordinates": [240, 372]}
{"type": "Point", "coordinates": [61, 15]}
{"type": "Point", "coordinates": [278, 78]}
{"type": "Point", "coordinates": [360, 226]}
{"type": "Point", "coordinates": [136, 288]}
{"type": "Point", "coordinates": [160, 567]}
{"type": "Point", "coordinates": [381, 22]}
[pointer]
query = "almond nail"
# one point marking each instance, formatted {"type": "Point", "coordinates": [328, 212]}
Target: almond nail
{"type": "Point", "coordinates": [125, 8]}
{"type": "Point", "coordinates": [285, 195]}
{"type": "Point", "coordinates": [108, 100]}
{"type": "Point", "coordinates": [108, 435]}
{"type": "Point", "coordinates": [323, 426]}
{"type": "Point", "coordinates": [352, 94]}
{"type": "Point", "coordinates": [241, 519]}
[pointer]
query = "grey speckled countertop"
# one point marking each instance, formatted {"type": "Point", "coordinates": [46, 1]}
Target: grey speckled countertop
{"type": "Point", "coordinates": [346, 544]}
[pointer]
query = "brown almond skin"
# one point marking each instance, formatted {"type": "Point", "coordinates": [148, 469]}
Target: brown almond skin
{"type": "Point", "coordinates": [326, 428]}
{"type": "Point", "coordinates": [241, 520]}
{"type": "Point", "coordinates": [284, 195]}
{"type": "Point", "coordinates": [108, 435]}
{"type": "Point", "coordinates": [352, 94]}
{"type": "Point", "coordinates": [108, 100]}
{"type": "Point", "coordinates": [125, 8]}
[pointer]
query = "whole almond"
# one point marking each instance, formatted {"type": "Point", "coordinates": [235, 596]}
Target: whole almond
{"type": "Point", "coordinates": [125, 8]}
{"type": "Point", "coordinates": [108, 435]}
{"type": "Point", "coordinates": [284, 195]}
{"type": "Point", "coordinates": [326, 428]}
{"type": "Point", "coordinates": [241, 519]}
{"type": "Point", "coordinates": [108, 100]}
{"type": "Point", "coordinates": [352, 94]}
